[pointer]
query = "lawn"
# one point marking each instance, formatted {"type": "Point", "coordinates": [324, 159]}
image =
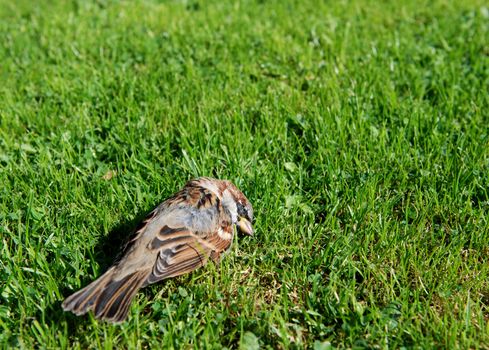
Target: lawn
{"type": "Point", "coordinates": [359, 130]}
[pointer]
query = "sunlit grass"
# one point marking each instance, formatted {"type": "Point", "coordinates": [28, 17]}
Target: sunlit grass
{"type": "Point", "coordinates": [359, 131]}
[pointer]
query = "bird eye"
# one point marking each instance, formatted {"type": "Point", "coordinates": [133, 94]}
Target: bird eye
{"type": "Point", "coordinates": [241, 209]}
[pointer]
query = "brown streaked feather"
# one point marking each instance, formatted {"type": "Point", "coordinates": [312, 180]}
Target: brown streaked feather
{"type": "Point", "coordinates": [167, 236]}
{"type": "Point", "coordinates": [108, 298]}
{"type": "Point", "coordinates": [197, 196]}
{"type": "Point", "coordinates": [221, 243]}
{"type": "Point", "coordinates": [139, 230]}
{"type": "Point", "coordinates": [184, 252]}
{"type": "Point", "coordinates": [81, 301]}
{"type": "Point", "coordinates": [113, 304]}
{"type": "Point", "coordinates": [191, 259]}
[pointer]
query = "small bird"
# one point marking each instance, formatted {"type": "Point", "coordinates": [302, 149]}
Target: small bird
{"type": "Point", "coordinates": [177, 237]}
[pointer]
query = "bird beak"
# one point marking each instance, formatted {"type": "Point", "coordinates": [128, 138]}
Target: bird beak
{"type": "Point", "coordinates": [244, 226]}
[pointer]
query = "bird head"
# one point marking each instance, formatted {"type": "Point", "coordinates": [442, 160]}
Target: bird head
{"type": "Point", "coordinates": [233, 200]}
{"type": "Point", "coordinates": [244, 210]}
{"type": "Point", "coordinates": [245, 217]}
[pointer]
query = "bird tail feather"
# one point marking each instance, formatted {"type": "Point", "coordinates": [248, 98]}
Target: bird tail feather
{"type": "Point", "coordinates": [108, 298]}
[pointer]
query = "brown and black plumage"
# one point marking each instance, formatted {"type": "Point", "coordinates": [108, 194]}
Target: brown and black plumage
{"type": "Point", "coordinates": [180, 235]}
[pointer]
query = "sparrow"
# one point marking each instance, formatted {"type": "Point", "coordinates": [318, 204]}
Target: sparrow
{"type": "Point", "coordinates": [183, 233]}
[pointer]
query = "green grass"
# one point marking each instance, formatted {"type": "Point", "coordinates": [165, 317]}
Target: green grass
{"type": "Point", "coordinates": [358, 129]}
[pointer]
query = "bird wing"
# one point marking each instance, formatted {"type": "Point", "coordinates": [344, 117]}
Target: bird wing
{"type": "Point", "coordinates": [181, 250]}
